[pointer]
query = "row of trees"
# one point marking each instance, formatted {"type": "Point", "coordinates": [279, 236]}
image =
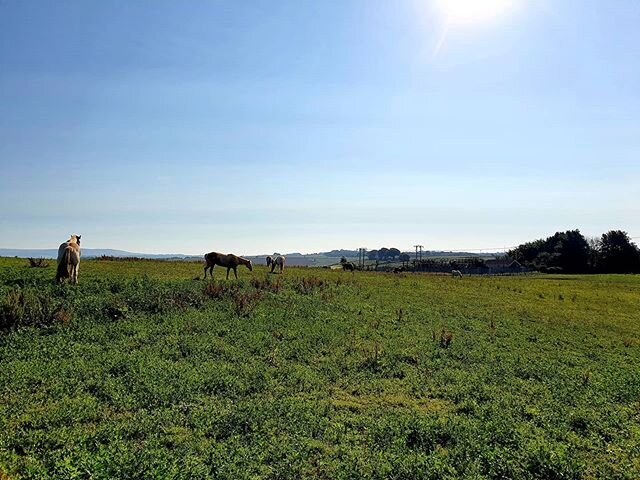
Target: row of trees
{"type": "Point", "coordinates": [384, 254]}
{"type": "Point", "coordinates": [571, 252]}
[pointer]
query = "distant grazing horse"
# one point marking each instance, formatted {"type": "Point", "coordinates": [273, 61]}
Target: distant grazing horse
{"type": "Point", "coordinates": [269, 261]}
{"type": "Point", "coordinates": [277, 262]}
{"type": "Point", "coordinates": [350, 266]}
{"type": "Point", "coordinates": [456, 273]}
{"type": "Point", "coordinates": [230, 261]}
{"type": "Point", "coordinates": [69, 260]}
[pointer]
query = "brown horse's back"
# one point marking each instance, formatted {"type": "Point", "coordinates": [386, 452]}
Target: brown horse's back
{"type": "Point", "coordinates": [222, 259]}
{"type": "Point", "coordinates": [210, 257]}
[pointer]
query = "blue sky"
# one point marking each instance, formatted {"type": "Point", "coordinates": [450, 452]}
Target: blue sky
{"type": "Point", "coordinates": [263, 126]}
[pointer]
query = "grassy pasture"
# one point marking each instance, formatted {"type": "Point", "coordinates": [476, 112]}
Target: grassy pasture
{"type": "Point", "coordinates": [144, 371]}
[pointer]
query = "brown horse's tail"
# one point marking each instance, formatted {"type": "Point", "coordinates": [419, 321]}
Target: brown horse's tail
{"type": "Point", "coordinates": [63, 265]}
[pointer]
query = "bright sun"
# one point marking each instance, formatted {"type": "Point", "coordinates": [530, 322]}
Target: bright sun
{"type": "Point", "coordinates": [471, 12]}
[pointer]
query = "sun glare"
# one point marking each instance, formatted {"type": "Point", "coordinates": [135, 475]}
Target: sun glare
{"type": "Point", "coordinates": [473, 12]}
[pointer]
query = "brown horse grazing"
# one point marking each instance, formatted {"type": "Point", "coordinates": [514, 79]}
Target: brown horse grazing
{"type": "Point", "coordinates": [277, 262]}
{"type": "Point", "coordinates": [69, 260]}
{"type": "Point", "coordinates": [269, 261]}
{"type": "Point", "coordinates": [230, 261]}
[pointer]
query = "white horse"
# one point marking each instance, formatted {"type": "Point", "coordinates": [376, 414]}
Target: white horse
{"type": "Point", "coordinates": [277, 262]}
{"type": "Point", "coordinates": [456, 273]}
{"type": "Point", "coordinates": [69, 260]}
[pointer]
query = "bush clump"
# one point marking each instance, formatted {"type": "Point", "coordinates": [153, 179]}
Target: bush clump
{"type": "Point", "coordinates": [267, 285]}
{"type": "Point", "coordinates": [245, 302]}
{"type": "Point", "coordinates": [38, 262]}
{"type": "Point", "coordinates": [220, 290]}
{"type": "Point", "coordinates": [22, 307]}
{"type": "Point", "coordinates": [309, 285]}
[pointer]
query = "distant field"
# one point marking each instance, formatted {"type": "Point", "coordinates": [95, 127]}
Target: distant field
{"type": "Point", "coordinates": [302, 261]}
{"type": "Point", "coordinates": [145, 371]}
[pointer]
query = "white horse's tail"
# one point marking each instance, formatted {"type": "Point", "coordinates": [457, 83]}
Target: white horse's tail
{"type": "Point", "coordinates": [63, 265]}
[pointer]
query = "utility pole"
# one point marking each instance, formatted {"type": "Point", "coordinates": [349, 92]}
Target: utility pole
{"type": "Point", "coordinates": [361, 257]}
{"type": "Point", "coordinates": [419, 252]}
{"type": "Point", "coordinates": [418, 259]}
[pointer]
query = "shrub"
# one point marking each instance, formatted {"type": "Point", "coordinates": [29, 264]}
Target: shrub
{"type": "Point", "coordinates": [446, 337]}
{"type": "Point", "coordinates": [184, 298]}
{"type": "Point", "coordinates": [38, 262]}
{"type": "Point", "coordinates": [267, 285]}
{"type": "Point", "coordinates": [62, 315]}
{"type": "Point", "coordinates": [29, 307]}
{"type": "Point", "coordinates": [245, 303]}
{"type": "Point", "coordinates": [116, 309]}
{"type": "Point", "coordinates": [308, 285]}
{"type": "Point", "coordinates": [220, 290]}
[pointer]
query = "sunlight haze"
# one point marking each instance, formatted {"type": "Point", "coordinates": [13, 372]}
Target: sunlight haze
{"type": "Point", "coordinates": [467, 12]}
{"type": "Point", "coordinates": [302, 126]}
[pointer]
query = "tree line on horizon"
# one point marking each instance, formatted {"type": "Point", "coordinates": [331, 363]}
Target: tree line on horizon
{"type": "Point", "coordinates": [385, 253]}
{"type": "Point", "coordinates": [571, 252]}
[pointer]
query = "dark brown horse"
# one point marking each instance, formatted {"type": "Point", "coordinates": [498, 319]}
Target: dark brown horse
{"type": "Point", "coordinates": [349, 266]}
{"type": "Point", "coordinates": [229, 260]}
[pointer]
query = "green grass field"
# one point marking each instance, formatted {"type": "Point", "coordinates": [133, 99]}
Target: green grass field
{"type": "Point", "coordinates": [144, 371]}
